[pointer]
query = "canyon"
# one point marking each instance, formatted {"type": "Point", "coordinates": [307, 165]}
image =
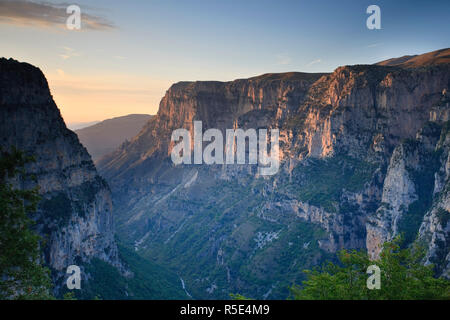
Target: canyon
{"type": "Point", "coordinates": [364, 158]}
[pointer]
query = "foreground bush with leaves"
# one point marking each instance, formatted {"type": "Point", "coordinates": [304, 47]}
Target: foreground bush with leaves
{"type": "Point", "coordinates": [403, 277]}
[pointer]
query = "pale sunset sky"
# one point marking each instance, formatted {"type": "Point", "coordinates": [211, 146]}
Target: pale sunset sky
{"type": "Point", "coordinates": [128, 53]}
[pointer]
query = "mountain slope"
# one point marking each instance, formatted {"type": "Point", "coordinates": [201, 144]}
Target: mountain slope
{"type": "Point", "coordinates": [75, 214]}
{"type": "Point", "coordinates": [105, 136]}
{"type": "Point", "coordinates": [341, 185]}
{"type": "Point", "coordinates": [149, 281]}
{"type": "Point", "coordinates": [80, 125]}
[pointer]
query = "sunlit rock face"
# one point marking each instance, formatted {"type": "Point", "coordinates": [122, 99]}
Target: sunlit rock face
{"type": "Point", "coordinates": [75, 215]}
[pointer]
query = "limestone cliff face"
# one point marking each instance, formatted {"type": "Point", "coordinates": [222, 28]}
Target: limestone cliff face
{"type": "Point", "coordinates": [435, 228]}
{"type": "Point", "coordinates": [362, 150]}
{"type": "Point", "coordinates": [409, 181]}
{"type": "Point", "coordinates": [256, 102]}
{"type": "Point", "coordinates": [75, 213]}
{"type": "Point", "coordinates": [356, 109]}
{"type": "Point", "coordinates": [415, 184]}
{"type": "Point", "coordinates": [367, 109]}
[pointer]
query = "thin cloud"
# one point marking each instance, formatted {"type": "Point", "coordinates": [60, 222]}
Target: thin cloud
{"type": "Point", "coordinates": [69, 53]}
{"type": "Point", "coordinates": [314, 62]}
{"type": "Point", "coordinates": [45, 14]}
{"type": "Point", "coordinates": [283, 59]}
{"type": "Point", "coordinates": [373, 45]}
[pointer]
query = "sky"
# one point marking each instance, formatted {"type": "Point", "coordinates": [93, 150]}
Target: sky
{"type": "Point", "coordinates": [128, 53]}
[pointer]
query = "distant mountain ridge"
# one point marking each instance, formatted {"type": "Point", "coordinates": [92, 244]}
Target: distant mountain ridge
{"type": "Point", "coordinates": [441, 56]}
{"type": "Point", "coordinates": [107, 135]}
{"type": "Point", "coordinates": [80, 125]}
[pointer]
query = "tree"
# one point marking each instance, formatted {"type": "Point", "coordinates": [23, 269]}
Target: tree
{"type": "Point", "coordinates": [403, 277]}
{"type": "Point", "coordinates": [21, 273]}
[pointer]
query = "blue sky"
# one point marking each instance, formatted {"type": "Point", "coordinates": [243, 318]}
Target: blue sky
{"type": "Point", "coordinates": [97, 74]}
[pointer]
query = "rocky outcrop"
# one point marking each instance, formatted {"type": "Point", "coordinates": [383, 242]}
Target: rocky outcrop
{"type": "Point", "coordinates": [75, 214]}
{"type": "Point", "coordinates": [408, 182]}
{"type": "Point", "coordinates": [361, 110]}
{"type": "Point", "coordinates": [435, 229]}
{"type": "Point", "coordinates": [414, 191]}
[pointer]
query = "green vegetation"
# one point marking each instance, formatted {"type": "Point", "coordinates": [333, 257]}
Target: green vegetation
{"type": "Point", "coordinates": [69, 296]}
{"type": "Point", "coordinates": [195, 224]}
{"type": "Point", "coordinates": [148, 280]}
{"type": "Point", "coordinates": [190, 226]}
{"type": "Point", "coordinates": [403, 277]}
{"type": "Point", "coordinates": [322, 181]}
{"type": "Point", "coordinates": [281, 262]}
{"type": "Point", "coordinates": [238, 296]}
{"type": "Point", "coordinates": [23, 276]}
